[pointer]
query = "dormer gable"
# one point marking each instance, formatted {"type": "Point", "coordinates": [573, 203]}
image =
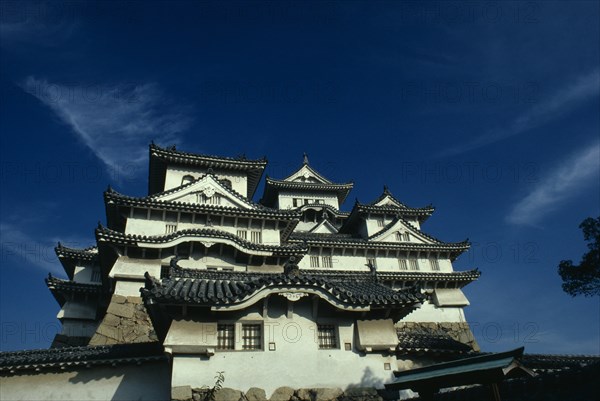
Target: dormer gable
{"type": "Point", "coordinates": [324, 227]}
{"type": "Point", "coordinates": [206, 190]}
{"type": "Point", "coordinates": [307, 174]}
{"type": "Point", "coordinates": [401, 231]}
{"type": "Point", "coordinates": [387, 199]}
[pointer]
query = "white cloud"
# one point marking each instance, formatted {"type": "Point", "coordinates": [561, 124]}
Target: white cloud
{"type": "Point", "coordinates": [569, 178]}
{"type": "Point", "coordinates": [19, 248]}
{"type": "Point", "coordinates": [562, 101]}
{"type": "Point", "coordinates": [116, 122]}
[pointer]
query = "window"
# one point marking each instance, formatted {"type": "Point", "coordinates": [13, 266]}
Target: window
{"type": "Point", "coordinates": [380, 223]}
{"type": "Point", "coordinates": [96, 276]}
{"type": "Point", "coordinates": [327, 262]}
{"type": "Point", "coordinates": [318, 201]}
{"type": "Point", "coordinates": [402, 264]}
{"type": "Point", "coordinates": [213, 200]}
{"type": "Point", "coordinates": [372, 262]}
{"type": "Point", "coordinates": [165, 271]}
{"type": "Point", "coordinates": [187, 179]}
{"type": "Point", "coordinates": [413, 263]}
{"type": "Point", "coordinates": [406, 236]}
{"type": "Point", "coordinates": [326, 336]}
{"type": "Point", "coordinates": [399, 236]}
{"type": "Point", "coordinates": [226, 183]}
{"type": "Point", "coordinates": [314, 261]}
{"type": "Point", "coordinates": [243, 234]}
{"type": "Point", "coordinates": [170, 228]}
{"type": "Point", "coordinates": [434, 264]}
{"type": "Point", "coordinates": [225, 336]}
{"type": "Point", "coordinates": [256, 237]}
{"type": "Point", "coordinates": [251, 336]}
{"type": "Point", "coordinates": [306, 201]}
{"type": "Point", "coordinates": [296, 202]}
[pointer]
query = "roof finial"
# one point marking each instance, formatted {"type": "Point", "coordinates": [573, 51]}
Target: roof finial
{"type": "Point", "coordinates": [385, 189]}
{"type": "Point", "coordinates": [305, 158]}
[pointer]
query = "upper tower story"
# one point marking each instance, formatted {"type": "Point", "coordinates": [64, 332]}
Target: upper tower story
{"type": "Point", "coordinates": [304, 187]}
{"type": "Point", "coordinates": [170, 168]}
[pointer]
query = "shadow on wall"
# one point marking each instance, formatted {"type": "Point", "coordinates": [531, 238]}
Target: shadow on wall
{"type": "Point", "coordinates": [148, 381]}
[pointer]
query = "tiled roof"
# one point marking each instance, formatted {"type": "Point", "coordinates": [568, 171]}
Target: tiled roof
{"type": "Point", "coordinates": [224, 288]}
{"type": "Point", "coordinates": [421, 212]}
{"type": "Point", "coordinates": [69, 257]}
{"type": "Point", "coordinates": [337, 213]}
{"type": "Point", "coordinates": [60, 287]}
{"type": "Point", "coordinates": [547, 362]}
{"type": "Point", "coordinates": [160, 157]}
{"type": "Point", "coordinates": [112, 197]}
{"type": "Point", "coordinates": [73, 357]}
{"type": "Point", "coordinates": [411, 342]}
{"type": "Point", "coordinates": [106, 234]}
{"type": "Point", "coordinates": [273, 186]}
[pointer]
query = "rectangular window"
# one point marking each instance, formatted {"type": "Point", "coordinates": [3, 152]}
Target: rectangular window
{"type": "Point", "coordinates": [413, 263]}
{"type": "Point", "coordinates": [96, 276]}
{"type": "Point", "coordinates": [318, 201]}
{"type": "Point", "coordinates": [327, 262]}
{"type": "Point", "coordinates": [296, 202]}
{"type": "Point", "coordinates": [306, 201]}
{"type": "Point", "coordinates": [326, 336]}
{"type": "Point", "coordinates": [372, 262]}
{"type": "Point", "coordinates": [402, 264]}
{"type": "Point", "coordinates": [314, 261]}
{"type": "Point", "coordinates": [225, 336]}
{"type": "Point", "coordinates": [406, 236]}
{"type": "Point", "coordinates": [251, 336]}
{"type": "Point", "coordinates": [380, 223]}
{"type": "Point", "coordinates": [243, 234]}
{"type": "Point", "coordinates": [213, 200]}
{"type": "Point", "coordinates": [165, 271]}
{"type": "Point", "coordinates": [256, 237]}
{"type": "Point", "coordinates": [434, 264]}
{"type": "Point", "coordinates": [399, 236]}
{"type": "Point", "coordinates": [170, 228]}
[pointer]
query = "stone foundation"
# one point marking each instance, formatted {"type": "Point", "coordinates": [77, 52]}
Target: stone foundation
{"type": "Point", "coordinates": [459, 331]}
{"type": "Point", "coordinates": [126, 321]}
{"type": "Point", "coordinates": [186, 393]}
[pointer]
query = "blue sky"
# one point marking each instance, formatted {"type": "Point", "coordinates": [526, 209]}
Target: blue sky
{"type": "Point", "coordinates": [489, 111]}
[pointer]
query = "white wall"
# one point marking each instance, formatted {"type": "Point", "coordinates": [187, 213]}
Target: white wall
{"type": "Point", "coordinates": [429, 312]}
{"type": "Point", "coordinates": [297, 362]}
{"type": "Point", "coordinates": [174, 175]}
{"type": "Point", "coordinates": [286, 199]}
{"type": "Point", "coordinates": [149, 381]}
{"type": "Point", "coordinates": [358, 262]}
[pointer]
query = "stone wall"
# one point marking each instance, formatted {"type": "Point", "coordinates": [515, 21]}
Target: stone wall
{"type": "Point", "coordinates": [459, 331]}
{"type": "Point", "coordinates": [126, 321]}
{"type": "Point", "coordinates": [187, 393]}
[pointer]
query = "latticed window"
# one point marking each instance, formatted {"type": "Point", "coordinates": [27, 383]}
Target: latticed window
{"type": "Point", "coordinates": [380, 223]}
{"type": "Point", "coordinates": [314, 261]}
{"type": "Point", "coordinates": [251, 336]}
{"type": "Point", "coordinates": [243, 234]}
{"type": "Point", "coordinates": [96, 276]}
{"type": "Point", "coordinates": [327, 262]}
{"type": "Point", "coordinates": [213, 200]}
{"type": "Point", "coordinates": [434, 264]}
{"type": "Point", "coordinates": [256, 237]}
{"type": "Point", "coordinates": [371, 262]}
{"type": "Point", "coordinates": [413, 263]}
{"type": "Point", "coordinates": [326, 336]}
{"type": "Point", "coordinates": [225, 336]}
{"type": "Point", "coordinates": [399, 236]}
{"type": "Point", "coordinates": [406, 236]}
{"type": "Point", "coordinates": [170, 228]}
{"type": "Point", "coordinates": [402, 264]}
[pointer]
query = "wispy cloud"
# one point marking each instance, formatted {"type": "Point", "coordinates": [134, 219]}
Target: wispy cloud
{"type": "Point", "coordinates": [116, 122]}
{"type": "Point", "coordinates": [567, 180]}
{"type": "Point", "coordinates": [584, 87]}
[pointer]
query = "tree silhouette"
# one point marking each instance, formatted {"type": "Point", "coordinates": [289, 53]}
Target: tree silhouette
{"type": "Point", "coordinates": [584, 279]}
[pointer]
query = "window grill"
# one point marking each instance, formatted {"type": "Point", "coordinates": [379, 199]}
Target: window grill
{"type": "Point", "coordinates": [314, 261]}
{"type": "Point", "coordinates": [225, 336]}
{"type": "Point", "coordinates": [243, 234]}
{"type": "Point", "coordinates": [402, 264]}
{"type": "Point", "coordinates": [326, 336]}
{"type": "Point", "coordinates": [251, 336]}
{"type": "Point", "coordinates": [414, 264]}
{"type": "Point", "coordinates": [327, 262]}
{"type": "Point", "coordinates": [256, 237]}
{"type": "Point", "coordinates": [96, 276]}
{"type": "Point", "coordinates": [434, 264]}
{"type": "Point", "coordinates": [170, 228]}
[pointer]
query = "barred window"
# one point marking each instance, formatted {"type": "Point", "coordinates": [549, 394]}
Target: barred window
{"type": "Point", "coordinates": [413, 263]}
{"type": "Point", "coordinates": [170, 228]}
{"type": "Point", "coordinates": [165, 271]}
{"type": "Point", "coordinates": [380, 223]}
{"type": "Point", "coordinates": [225, 336]}
{"type": "Point", "coordinates": [402, 264]}
{"type": "Point", "coordinates": [434, 264]}
{"type": "Point", "coordinates": [296, 202]}
{"type": "Point", "coordinates": [213, 200]}
{"type": "Point", "coordinates": [256, 237]}
{"type": "Point", "coordinates": [399, 236]}
{"type": "Point", "coordinates": [326, 336]}
{"type": "Point", "coordinates": [96, 275]}
{"type": "Point", "coordinates": [251, 336]}
{"type": "Point", "coordinates": [314, 261]}
{"type": "Point", "coordinates": [243, 234]}
{"type": "Point", "coordinates": [327, 262]}
{"type": "Point", "coordinates": [372, 262]}
{"type": "Point", "coordinates": [406, 236]}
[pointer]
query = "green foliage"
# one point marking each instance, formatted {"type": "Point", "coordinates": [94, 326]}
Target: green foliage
{"type": "Point", "coordinates": [210, 393]}
{"type": "Point", "coordinates": [584, 279]}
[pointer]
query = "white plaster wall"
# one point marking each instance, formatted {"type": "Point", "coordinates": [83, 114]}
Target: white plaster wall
{"type": "Point", "coordinates": [358, 263]}
{"type": "Point", "coordinates": [297, 362]}
{"type": "Point", "coordinates": [158, 227]}
{"type": "Point", "coordinates": [174, 175]}
{"type": "Point", "coordinates": [78, 328]}
{"type": "Point", "coordinates": [149, 381]}
{"type": "Point", "coordinates": [286, 199]}
{"type": "Point", "coordinates": [78, 310]}
{"type": "Point", "coordinates": [128, 288]}
{"type": "Point", "coordinates": [428, 312]}
{"type": "Point", "coordinates": [83, 274]}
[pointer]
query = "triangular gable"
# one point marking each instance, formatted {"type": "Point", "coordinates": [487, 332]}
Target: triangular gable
{"type": "Point", "coordinates": [307, 174]}
{"type": "Point", "coordinates": [389, 233]}
{"type": "Point", "coordinates": [389, 200]}
{"type": "Point", "coordinates": [324, 227]}
{"type": "Point", "coordinates": [206, 190]}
